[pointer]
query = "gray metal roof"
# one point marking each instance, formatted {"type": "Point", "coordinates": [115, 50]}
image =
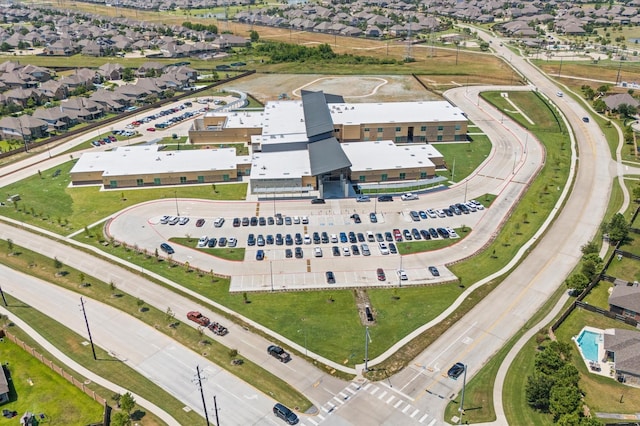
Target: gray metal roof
{"type": "Point", "coordinates": [626, 297]}
{"type": "Point", "coordinates": [326, 155]}
{"type": "Point", "coordinates": [328, 97]}
{"type": "Point", "coordinates": [625, 344]}
{"type": "Point", "coordinates": [317, 117]}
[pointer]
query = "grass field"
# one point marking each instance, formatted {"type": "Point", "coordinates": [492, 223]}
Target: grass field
{"type": "Point", "coordinates": [37, 389]}
{"type": "Point", "coordinates": [465, 157]}
{"type": "Point", "coordinates": [49, 203]}
{"type": "Point", "coordinates": [69, 342]}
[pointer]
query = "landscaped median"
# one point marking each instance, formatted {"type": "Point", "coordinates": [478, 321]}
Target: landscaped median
{"type": "Point", "coordinates": [53, 271]}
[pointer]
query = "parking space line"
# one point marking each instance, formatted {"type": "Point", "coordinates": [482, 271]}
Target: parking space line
{"type": "Point", "coordinates": [423, 418]}
{"type": "Point", "coordinates": [397, 404]}
{"type": "Point", "coordinates": [391, 398]}
{"type": "Point", "coordinates": [414, 413]}
{"type": "Point", "coordinates": [405, 409]}
{"type": "Point", "coordinates": [382, 395]}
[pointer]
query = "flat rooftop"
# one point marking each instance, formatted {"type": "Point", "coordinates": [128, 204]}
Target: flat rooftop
{"type": "Point", "coordinates": [395, 112]}
{"type": "Point", "coordinates": [383, 155]}
{"type": "Point", "coordinates": [138, 160]}
{"type": "Point", "coordinates": [279, 165]}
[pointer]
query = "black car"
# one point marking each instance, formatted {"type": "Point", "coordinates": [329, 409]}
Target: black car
{"type": "Point", "coordinates": [373, 218]}
{"type": "Point", "coordinates": [316, 238]}
{"type": "Point", "coordinates": [278, 353]}
{"type": "Point", "coordinates": [407, 235]}
{"type": "Point", "coordinates": [298, 239]}
{"type": "Point", "coordinates": [288, 253]}
{"type": "Point", "coordinates": [222, 242]}
{"type": "Point", "coordinates": [434, 271]}
{"type": "Point", "coordinates": [299, 253]}
{"type": "Point", "coordinates": [416, 234]}
{"type": "Point", "coordinates": [279, 240]}
{"type": "Point", "coordinates": [433, 232]}
{"type": "Point", "coordinates": [262, 221]}
{"type": "Point", "coordinates": [355, 250]}
{"type": "Point", "coordinates": [279, 219]}
{"type": "Point", "coordinates": [251, 240]}
{"type": "Point", "coordinates": [448, 212]}
{"type": "Point", "coordinates": [317, 201]}
{"type": "Point", "coordinates": [388, 236]}
{"type": "Point", "coordinates": [212, 242]}
{"type": "Point", "coordinates": [352, 237]}
{"type": "Point", "coordinates": [360, 236]}
{"type": "Point", "coordinates": [456, 370]}
{"type": "Point", "coordinates": [167, 248]}
{"type": "Point", "coordinates": [254, 221]}
{"type": "Point", "coordinates": [379, 237]}
{"type": "Point", "coordinates": [288, 240]}
{"type": "Point", "coordinates": [245, 221]}
{"type": "Point", "coordinates": [236, 222]}
{"type": "Point", "coordinates": [335, 250]}
{"type": "Point", "coordinates": [331, 279]}
{"type": "Point", "coordinates": [356, 218]}
{"type": "Point", "coordinates": [443, 232]}
{"type": "Point", "coordinates": [384, 198]}
{"type": "Point", "coordinates": [392, 248]}
{"type": "Point", "coordinates": [285, 414]}
{"type": "Point", "coordinates": [270, 220]}
{"type": "Point", "coordinates": [269, 239]}
{"type": "Point", "coordinates": [325, 238]}
{"type": "Point", "coordinates": [425, 234]}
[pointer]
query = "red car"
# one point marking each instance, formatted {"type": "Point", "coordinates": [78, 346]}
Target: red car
{"type": "Point", "coordinates": [197, 317]}
{"type": "Point", "coordinates": [397, 235]}
{"type": "Point", "coordinates": [151, 129]}
{"type": "Point", "coordinates": [381, 275]}
{"type": "Point", "coordinates": [199, 223]}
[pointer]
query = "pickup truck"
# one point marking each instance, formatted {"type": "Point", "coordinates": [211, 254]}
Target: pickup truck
{"type": "Point", "coordinates": [197, 317]}
{"type": "Point", "coordinates": [278, 353]}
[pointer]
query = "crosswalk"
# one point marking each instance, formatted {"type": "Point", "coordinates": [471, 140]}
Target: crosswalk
{"type": "Point", "coordinates": [398, 402]}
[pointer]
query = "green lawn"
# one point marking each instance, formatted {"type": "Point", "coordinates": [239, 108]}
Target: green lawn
{"type": "Point", "coordinates": [49, 203]}
{"type": "Point", "coordinates": [70, 343]}
{"type": "Point", "coordinates": [463, 159]}
{"type": "Point", "coordinates": [36, 388]}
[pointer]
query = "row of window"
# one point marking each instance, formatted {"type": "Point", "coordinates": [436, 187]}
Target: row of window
{"type": "Point", "coordinates": [158, 181]}
{"type": "Point", "coordinates": [401, 139]}
{"type": "Point", "coordinates": [384, 177]}
{"type": "Point", "coordinates": [422, 128]}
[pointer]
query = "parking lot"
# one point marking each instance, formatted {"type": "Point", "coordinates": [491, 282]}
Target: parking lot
{"type": "Point", "coordinates": [294, 251]}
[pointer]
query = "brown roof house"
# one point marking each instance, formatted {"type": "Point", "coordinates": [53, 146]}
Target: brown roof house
{"type": "Point", "coordinates": [23, 128]}
{"type": "Point", "coordinates": [111, 71]}
{"type": "Point", "coordinates": [614, 101]}
{"type": "Point", "coordinates": [57, 119]}
{"type": "Point", "coordinates": [54, 90]}
{"type": "Point", "coordinates": [82, 109]}
{"type": "Point", "coordinates": [625, 300]}
{"type": "Point", "coordinates": [623, 346]}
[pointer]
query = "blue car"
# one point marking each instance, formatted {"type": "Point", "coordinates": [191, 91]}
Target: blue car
{"type": "Point", "coordinates": [343, 237]}
{"type": "Point", "coordinates": [260, 255]}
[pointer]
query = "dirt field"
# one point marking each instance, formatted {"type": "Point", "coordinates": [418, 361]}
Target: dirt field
{"type": "Point", "coordinates": [266, 87]}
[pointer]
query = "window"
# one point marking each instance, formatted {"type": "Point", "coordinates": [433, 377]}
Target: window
{"type": "Point", "coordinates": [156, 181]}
{"type": "Point", "coordinates": [379, 138]}
{"type": "Point", "coordinates": [383, 177]}
{"type": "Point", "coordinates": [362, 178]}
{"type": "Point", "coordinates": [366, 129]}
{"type": "Point", "coordinates": [403, 176]}
{"type": "Point", "coordinates": [439, 138]}
{"type": "Point", "coordinates": [366, 138]}
{"type": "Point", "coordinates": [398, 139]}
{"type": "Point", "coordinates": [423, 175]}
{"type": "Point", "coordinates": [113, 183]}
{"type": "Point", "coordinates": [423, 128]}
{"type": "Point", "coordinates": [458, 127]}
{"type": "Point", "coordinates": [440, 128]}
{"type": "Point", "coordinates": [200, 179]}
{"type": "Point", "coordinates": [380, 129]}
{"type": "Point", "coordinates": [183, 179]}
{"type": "Point", "coordinates": [139, 182]}
{"type": "Point", "coordinates": [225, 178]}
{"type": "Point", "coordinates": [398, 129]}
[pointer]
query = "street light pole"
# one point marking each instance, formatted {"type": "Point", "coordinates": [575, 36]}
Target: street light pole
{"type": "Point", "coordinates": [271, 273]}
{"type": "Point", "coordinates": [3, 298]}
{"type": "Point", "coordinates": [367, 339]}
{"type": "Point", "coordinates": [86, 321]}
{"type": "Point", "coordinates": [466, 182]}
{"type": "Point", "coordinates": [464, 384]}
{"type": "Point", "coordinates": [175, 193]}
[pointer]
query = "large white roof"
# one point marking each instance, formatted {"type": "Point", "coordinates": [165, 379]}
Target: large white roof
{"type": "Point", "coordinates": [278, 165]}
{"type": "Point", "coordinates": [137, 160]}
{"type": "Point", "coordinates": [395, 112]}
{"type": "Point", "coordinates": [384, 155]}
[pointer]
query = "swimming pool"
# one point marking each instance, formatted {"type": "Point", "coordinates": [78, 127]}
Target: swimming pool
{"type": "Point", "coordinates": [588, 342]}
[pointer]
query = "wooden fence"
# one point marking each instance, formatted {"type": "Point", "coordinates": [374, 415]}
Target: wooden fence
{"type": "Point", "coordinates": [66, 375]}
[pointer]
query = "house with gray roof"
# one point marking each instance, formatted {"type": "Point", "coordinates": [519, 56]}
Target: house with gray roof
{"type": "Point", "coordinates": [4, 386]}
{"type": "Point", "coordinates": [625, 300]}
{"type": "Point", "coordinates": [623, 347]}
{"type": "Point", "coordinates": [614, 101]}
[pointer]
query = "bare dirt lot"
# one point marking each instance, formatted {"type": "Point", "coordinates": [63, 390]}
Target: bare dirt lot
{"type": "Point", "coordinates": [266, 87]}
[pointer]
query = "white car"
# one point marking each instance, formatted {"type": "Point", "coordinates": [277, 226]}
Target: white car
{"type": "Point", "coordinates": [363, 198]}
{"type": "Point", "coordinates": [307, 239]}
{"type": "Point", "coordinates": [440, 213]}
{"type": "Point", "coordinates": [232, 242]}
{"type": "Point", "coordinates": [305, 220]}
{"type": "Point", "coordinates": [431, 213]}
{"type": "Point", "coordinates": [408, 196]}
{"type": "Point", "coordinates": [296, 220]}
{"type": "Point", "coordinates": [403, 275]}
{"type": "Point", "coordinates": [384, 249]}
{"type": "Point", "coordinates": [334, 238]}
{"type": "Point", "coordinates": [218, 222]}
{"type": "Point", "coordinates": [452, 232]}
{"type": "Point", "coordinates": [345, 251]}
{"type": "Point", "coordinates": [202, 242]}
{"type": "Point", "coordinates": [317, 252]}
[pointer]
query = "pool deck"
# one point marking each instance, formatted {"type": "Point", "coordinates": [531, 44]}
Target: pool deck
{"type": "Point", "coordinates": [602, 367]}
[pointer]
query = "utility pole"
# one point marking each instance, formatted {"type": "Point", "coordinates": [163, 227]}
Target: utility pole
{"type": "Point", "coordinates": [175, 194]}
{"type": "Point", "coordinates": [86, 321]}
{"type": "Point", "coordinates": [215, 408]}
{"type": "Point", "coordinates": [464, 384]}
{"type": "Point", "coordinates": [204, 404]}
{"type": "Point", "coordinates": [367, 340]}
{"type": "Point", "coordinates": [3, 298]}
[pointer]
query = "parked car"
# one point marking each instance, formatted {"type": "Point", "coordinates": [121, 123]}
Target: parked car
{"type": "Point", "coordinates": [183, 221]}
{"type": "Point", "coordinates": [403, 275]}
{"type": "Point", "coordinates": [415, 216]}
{"type": "Point", "coordinates": [317, 201]}
{"type": "Point", "coordinates": [202, 242]}
{"type": "Point", "coordinates": [356, 218]}
{"type": "Point", "coordinates": [408, 196]}
{"type": "Point", "coordinates": [166, 248]}
{"type": "Point", "coordinates": [456, 370]}
{"type": "Point", "coordinates": [434, 271]}
{"type": "Point", "coordinates": [385, 198]}
{"type": "Point", "coordinates": [285, 414]}
{"type": "Point", "coordinates": [381, 275]}
{"type": "Point", "coordinates": [218, 222]}
{"type": "Point", "coordinates": [363, 198]}
{"type": "Point", "coordinates": [331, 279]}
{"type": "Point", "coordinates": [299, 253]}
{"type": "Point", "coordinates": [384, 249]}
{"type": "Point", "coordinates": [392, 248]}
{"type": "Point", "coordinates": [364, 248]}
{"type": "Point", "coordinates": [317, 252]}
{"type": "Point", "coordinates": [278, 353]}
{"type": "Point", "coordinates": [260, 255]}
{"type": "Point", "coordinates": [197, 317]}
{"type": "Point", "coordinates": [222, 242]}
{"type": "Point", "coordinates": [199, 223]}
{"type": "Point", "coordinates": [288, 253]}
{"type": "Point", "coordinates": [373, 217]}
{"type": "Point", "coordinates": [232, 241]}
{"type": "Point", "coordinates": [335, 250]}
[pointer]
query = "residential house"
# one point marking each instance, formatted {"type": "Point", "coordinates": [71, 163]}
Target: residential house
{"type": "Point", "coordinates": [40, 74]}
{"type": "Point", "coordinates": [110, 101]}
{"type": "Point", "coordinates": [56, 119]}
{"type": "Point", "coordinates": [62, 47]}
{"type": "Point", "coordinates": [623, 347]}
{"type": "Point", "coordinates": [81, 77]}
{"type": "Point", "coordinates": [22, 128]}
{"type": "Point", "coordinates": [111, 71]}
{"type": "Point", "coordinates": [150, 67]}
{"type": "Point", "coordinates": [24, 97]}
{"type": "Point", "coordinates": [4, 385]}
{"type": "Point", "coordinates": [54, 90]}
{"type": "Point", "coordinates": [625, 300]}
{"type": "Point", "coordinates": [82, 109]}
{"type": "Point", "coordinates": [614, 101]}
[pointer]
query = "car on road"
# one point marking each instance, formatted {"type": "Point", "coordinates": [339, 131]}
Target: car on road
{"type": "Point", "coordinates": [408, 196]}
{"type": "Point", "coordinates": [151, 129]}
{"type": "Point", "coordinates": [385, 198]}
{"type": "Point", "coordinates": [403, 275]}
{"type": "Point", "coordinates": [381, 275]}
{"type": "Point", "coordinates": [260, 255]}
{"type": "Point", "coordinates": [278, 353]}
{"type": "Point", "coordinates": [559, 94]}
{"type": "Point", "coordinates": [456, 370]}
{"type": "Point", "coordinates": [198, 318]}
{"type": "Point", "coordinates": [167, 248]}
{"type": "Point", "coordinates": [317, 201]}
{"type": "Point", "coordinates": [285, 414]}
{"type": "Point", "coordinates": [434, 271]}
{"type": "Point", "coordinates": [331, 278]}
{"type": "Point", "coordinates": [363, 198]}
{"type": "Point", "coordinates": [585, 119]}
{"type": "Point", "coordinates": [199, 223]}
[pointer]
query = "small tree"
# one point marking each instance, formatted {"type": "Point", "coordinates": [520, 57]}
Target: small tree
{"type": "Point", "coordinates": [120, 419]}
{"type": "Point", "coordinates": [82, 277]}
{"type": "Point", "coordinates": [127, 402]}
{"type": "Point", "coordinates": [10, 245]}
{"type": "Point", "coordinates": [112, 287]}
{"type": "Point", "coordinates": [170, 314]}
{"type": "Point", "coordinates": [140, 303]}
{"type": "Point", "coordinates": [577, 282]}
